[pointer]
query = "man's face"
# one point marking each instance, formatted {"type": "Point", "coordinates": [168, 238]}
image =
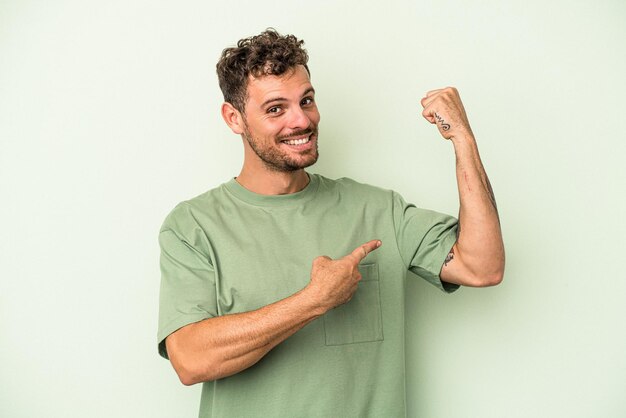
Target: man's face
{"type": "Point", "coordinates": [281, 120]}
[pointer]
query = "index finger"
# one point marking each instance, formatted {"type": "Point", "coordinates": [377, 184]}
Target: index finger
{"type": "Point", "coordinates": [430, 97]}
{"type": "Point", "coordinates": [362, 251]}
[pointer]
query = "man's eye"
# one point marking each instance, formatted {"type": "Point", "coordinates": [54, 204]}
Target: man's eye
{"type": "Point", "coordinates": [306, 101]}
{"type": "Point", "coordinates": [274, 109]}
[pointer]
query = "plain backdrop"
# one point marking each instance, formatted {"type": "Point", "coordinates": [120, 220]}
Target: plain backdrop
{"type": "Point", "coordinates": [109, 116]}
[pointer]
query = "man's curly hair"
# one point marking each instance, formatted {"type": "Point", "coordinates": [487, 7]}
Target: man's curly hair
{"type": "Point", "coordinates": [268, 53]}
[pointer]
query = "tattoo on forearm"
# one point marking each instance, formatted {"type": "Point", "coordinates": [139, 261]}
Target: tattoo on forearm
{"type": "Point", "coordinates": [449, 257]}
{"type": "Point", "coordinates": [445, 126]}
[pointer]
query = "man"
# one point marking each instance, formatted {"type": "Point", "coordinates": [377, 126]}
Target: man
{"type": "Point", "coordinates": [283, 291]}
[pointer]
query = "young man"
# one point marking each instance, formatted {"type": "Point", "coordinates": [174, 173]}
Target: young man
{"type": "Point", "coordinates": [283, 291]}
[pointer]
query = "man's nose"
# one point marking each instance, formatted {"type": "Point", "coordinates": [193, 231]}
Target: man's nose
{"type": "Point", "coordinates": [298, 119]}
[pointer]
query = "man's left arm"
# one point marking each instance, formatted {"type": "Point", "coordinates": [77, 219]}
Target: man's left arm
{"type": "Point", "coordinates": [477, 257]}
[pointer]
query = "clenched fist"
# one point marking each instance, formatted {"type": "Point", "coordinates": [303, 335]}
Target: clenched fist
{"type": "Point", "coordinates": [444, 108]}
{"type": "Point", "coordinates": [333, 282]}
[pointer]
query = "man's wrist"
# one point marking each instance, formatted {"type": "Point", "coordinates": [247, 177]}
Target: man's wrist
{"type": "Point", "coordinates": [465, 136]}
{"type": "Point", "coordinates": [311, 301]}
{"type": "Point", "coordinates": [464, 142]}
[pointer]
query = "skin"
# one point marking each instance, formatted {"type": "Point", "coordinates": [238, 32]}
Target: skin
{"type": "Point", "coordinates": [477, 258]}
{"type": "Point", "coordinates": [278, 108]}
{"type": "Point", "coordinates": [281, 108]}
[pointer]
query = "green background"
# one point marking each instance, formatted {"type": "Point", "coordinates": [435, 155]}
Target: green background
{"type": "Point", "coordinates": [109, 116]}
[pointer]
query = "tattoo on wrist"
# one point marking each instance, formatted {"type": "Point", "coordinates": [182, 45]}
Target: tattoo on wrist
{"type": "Point", "coordinates": [445, 126]}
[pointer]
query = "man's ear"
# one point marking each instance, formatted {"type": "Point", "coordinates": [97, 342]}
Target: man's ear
{"type": "Point", "coordinates": [233, 118]}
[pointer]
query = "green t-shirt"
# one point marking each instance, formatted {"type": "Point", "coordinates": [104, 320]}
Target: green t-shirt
{"type": "Point", "coordinates": [230, 250]}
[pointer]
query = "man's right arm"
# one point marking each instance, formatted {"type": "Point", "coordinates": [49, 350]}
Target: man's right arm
{"type": "Point", "coordinates": [222, 346]}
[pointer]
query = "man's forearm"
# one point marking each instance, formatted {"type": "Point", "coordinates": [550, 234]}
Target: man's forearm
{"type": "Point", "coordinates": [222, 346]}
{"type": "Point", "coordinates": [480, 237]}
{"type": "Point", "coordinates": [477, 257]}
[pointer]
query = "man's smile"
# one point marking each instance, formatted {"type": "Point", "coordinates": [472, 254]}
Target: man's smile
{"type": "Point", "coordinates": [298, 141]}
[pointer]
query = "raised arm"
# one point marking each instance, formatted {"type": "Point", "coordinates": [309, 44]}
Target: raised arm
{"type": "Point", "coordinates": [222, 346]}
{"type": "Point", "coordinates": [477, 257]}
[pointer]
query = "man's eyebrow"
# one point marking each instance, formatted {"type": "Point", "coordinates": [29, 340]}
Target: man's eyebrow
{"type": "Point", "coordinates": [273, 99]}
{"type": "Point", "coordinates": [282, 99]}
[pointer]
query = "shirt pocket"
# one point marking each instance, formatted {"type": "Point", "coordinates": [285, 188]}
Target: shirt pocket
{"type": "Point", "coordinates": [359, 320]}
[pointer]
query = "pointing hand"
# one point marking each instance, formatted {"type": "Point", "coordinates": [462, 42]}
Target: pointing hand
{"type": "Point", "coordinates": [334, 282]}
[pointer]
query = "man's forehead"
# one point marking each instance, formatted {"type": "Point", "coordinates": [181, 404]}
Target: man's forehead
{"type": "Point", "coordinates": [294, 81]}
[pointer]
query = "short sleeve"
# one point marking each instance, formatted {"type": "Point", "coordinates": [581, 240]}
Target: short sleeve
{"type": "Point", "coordinates": [424, 239]}
{"type": "Point", "coordinates": [187, 286]}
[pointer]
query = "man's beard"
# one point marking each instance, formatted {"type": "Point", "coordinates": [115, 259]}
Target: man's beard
{"type": "Point", "coordinates": [276, 160]}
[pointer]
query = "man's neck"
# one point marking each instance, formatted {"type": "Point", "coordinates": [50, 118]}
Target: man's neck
{"type": "Point", "coordinates": [273, 182]}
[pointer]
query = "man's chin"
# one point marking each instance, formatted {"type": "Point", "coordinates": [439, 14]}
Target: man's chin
{"type": "Point", "coordinates": [301, 166]}
{"type": "Point", "coordinates": [291, 166]}
{"type": "Point", "coordinates": [310, 161]}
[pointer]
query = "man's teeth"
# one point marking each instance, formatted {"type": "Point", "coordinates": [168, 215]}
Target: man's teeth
{"type": "Point", "coordinates": [297, 141]}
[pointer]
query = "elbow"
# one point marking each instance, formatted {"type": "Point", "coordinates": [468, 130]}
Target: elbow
{"type": "Point", "coordinates": [187, 377]}
{"type": "Point", "coordinates": [483, 276]}
{"type": "Point", "coordinates": [189, 374]}
{"type": "Point", "coordinates": [497, 275]}
{"type": "Point", "coordinates": [186, 380]}
{"type": "Point", "coordinates": [490, 278]}
{"type": "Point", "coordinates": [493, 279]}
{"type": "Point", "coordinates": [489, 274]}
{"type": "Point", "coordinates": [189, 368]}
{"type": "Point", "coordinates": [483, 280]}
{"type": "Point", "coordinates": [186, 372]}
{"type": "Point", "coordinates": [191, 365]}
{"type": "Point", "coordinates": [190, 379]}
